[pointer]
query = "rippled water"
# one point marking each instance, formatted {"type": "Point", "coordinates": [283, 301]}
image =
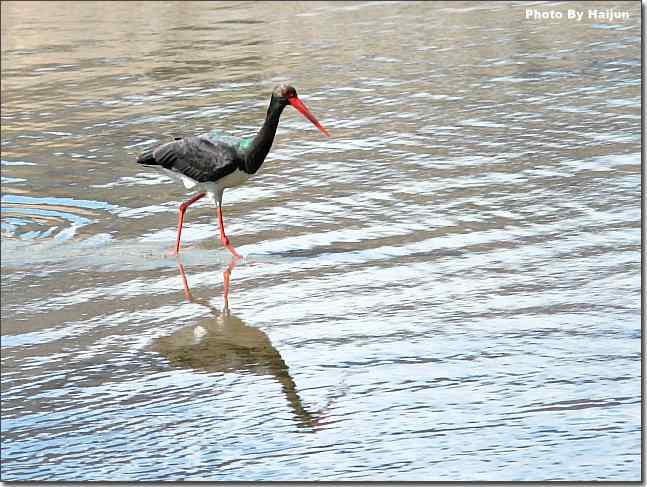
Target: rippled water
{"type": "Point", "coordinates": [447, 289]}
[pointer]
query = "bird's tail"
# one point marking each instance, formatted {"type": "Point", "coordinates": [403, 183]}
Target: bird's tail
{"type": "Point", "coordinates": [147, 158]}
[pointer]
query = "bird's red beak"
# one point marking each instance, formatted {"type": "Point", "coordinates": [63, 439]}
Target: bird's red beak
{"type": "Point", "coordinates": [298, 104]}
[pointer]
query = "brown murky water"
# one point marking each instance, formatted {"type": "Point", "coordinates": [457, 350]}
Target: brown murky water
{"type": "Point", "coordinates": [447, 289]}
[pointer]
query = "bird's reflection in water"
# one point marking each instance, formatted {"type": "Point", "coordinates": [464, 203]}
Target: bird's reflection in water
{"type": "Point", "coordinates": [224, 343]}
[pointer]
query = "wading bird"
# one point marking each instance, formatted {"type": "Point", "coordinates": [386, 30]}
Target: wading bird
{"type": "Point", "coordinates": [213, 162]}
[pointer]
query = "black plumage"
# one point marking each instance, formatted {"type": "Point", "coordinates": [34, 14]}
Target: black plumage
{"type": "Point", "coordinates": [196, 157]}
{"type": "Point", "coordinates": [211, 158]}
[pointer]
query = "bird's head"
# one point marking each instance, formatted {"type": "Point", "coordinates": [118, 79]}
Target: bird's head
{"type": "Point", "coordinates": [283, 92]}
{"type": "Point", "coordinates": [287, 95]}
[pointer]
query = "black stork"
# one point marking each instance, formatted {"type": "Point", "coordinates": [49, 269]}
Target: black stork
{"type": "Point", "coordinates": [213, 162]}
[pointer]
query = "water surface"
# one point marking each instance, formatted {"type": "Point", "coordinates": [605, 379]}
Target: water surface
{"type": "Point", "coordinates": [447, 289]}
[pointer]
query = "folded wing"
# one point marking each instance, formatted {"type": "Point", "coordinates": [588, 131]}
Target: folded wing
{"type": "Point", "coordinates": [197, 158]}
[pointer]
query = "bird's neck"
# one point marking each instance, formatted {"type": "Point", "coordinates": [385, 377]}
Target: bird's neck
{"type": "Point", "coordinates": [262, 142]}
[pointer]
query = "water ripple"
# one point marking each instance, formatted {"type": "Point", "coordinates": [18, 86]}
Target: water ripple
{"type": "Point", "coordinates": [446, 289]}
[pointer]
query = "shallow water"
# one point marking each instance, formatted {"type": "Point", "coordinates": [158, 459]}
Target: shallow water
{"type": "Point", "coordinates": [447, 289]}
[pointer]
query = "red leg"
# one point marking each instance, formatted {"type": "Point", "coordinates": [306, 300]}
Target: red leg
{"type": "Point", "coordinates": [226, 276]}
{"type": "Point", "coordinates": [183, 208]}
{"type": "Point", "coordinates": [185, 283]}
{"type": "Point", "coordinates": [223, 238]}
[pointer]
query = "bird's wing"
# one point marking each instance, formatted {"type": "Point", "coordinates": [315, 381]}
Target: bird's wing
{"type": "Point", "coordinates": [198, 158]}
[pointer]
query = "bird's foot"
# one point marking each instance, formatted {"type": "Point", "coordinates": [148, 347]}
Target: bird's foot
{"type": "Point", "coordinates": [171, 253]}
{"type": "Point", "coordinates": [233, 252]}
{"type": "Point", "coordinates": [227, 244]}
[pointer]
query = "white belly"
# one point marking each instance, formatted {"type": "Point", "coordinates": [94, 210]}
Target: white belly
{"type": "Point", "coordinates": [180, 178]}
{"type": "Point", "coordinates": [213, 189]}
{"type": "Point", "coordinates": [231, 180]}
{"type": "Point", "coordinates": [234, 179]}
